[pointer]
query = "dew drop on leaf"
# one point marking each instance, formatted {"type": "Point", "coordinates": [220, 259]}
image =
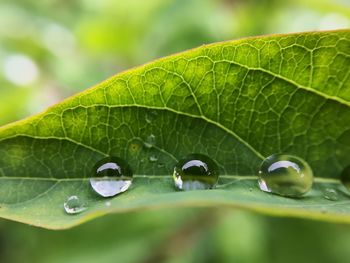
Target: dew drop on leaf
{"type": "Point", "coordinates": [150, 141]}
{"type": "Point", "coordinates": [111, 176]}
{"type": "Point", "coordinates": [153, 158]}
{"type": "Point", "coordinates": [285, 175]}
{"type": "Point", "coordinates": [345, 177]}
{"type": "Point", "coordinates": [330, 194]}
{"type": "Point", "coordinates": [74, 205]}
{"type": "Point", "coordinates": [195, 172]}
{"type": "Point", "coordinates": [150, 116]}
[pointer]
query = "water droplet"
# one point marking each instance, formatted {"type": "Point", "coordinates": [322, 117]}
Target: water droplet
{"type": "Point", "coordinates": [74, 205]}
{"type": "Point", "coordinates": [330, 194]}
{"type": "Point", "coordinates": [153, 158]}
{"type": "Point", "coordinates": [150, 141]}
{"type": "Point", "coordinates": [108, 204]}
{"type": "Point", "coordinates": [150, 116]}
{"type": "Point", "coordinates": [285, 175]}
{"type": "Point", "coordinates": [112, 176]}
{"type": "Point", "coordinates": [195, 172]}
{"type": "Point", "coordinates": [250, 189]}
{"type": "Point", "coordinates": [345, 177]}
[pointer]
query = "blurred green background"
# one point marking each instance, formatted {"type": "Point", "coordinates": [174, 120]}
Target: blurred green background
{"type": "Point", "coordinates": [50, 49]}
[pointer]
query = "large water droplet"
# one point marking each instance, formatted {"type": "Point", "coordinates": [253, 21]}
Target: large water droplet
{"type": "Point", "coordinates": [330, 194]}
{"type": "Point", "coordinates": [112, 176]}
{"type": "Point", "coordinates": [195, 172]}
{"type": "Point", "coordinates": [345, 177]}
{"type": "Point", "coordinates": [74, 205]}
{"type": "Point", "coordinates": [285, 175]}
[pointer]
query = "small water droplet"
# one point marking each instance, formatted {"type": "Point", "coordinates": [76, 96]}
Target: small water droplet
{"type": "Point", "coordinates": [74, 205]}
{"type": "Point", "coordinates": [250, 189]}
{"type": "Point", "coordinates": [153, 158]}
{"type": "Point", "coordinates": [195, 172]}
{"type": "Point", "coordinates": [345, 177]}
{"type": "Point", "coordinates": [150, 116]}
{"type": "Point", "coordinates": [285, 175]}
{"type": "Point", "coordinates": [150, 141]}
{"type": "Point", "coordinates": [108, 204]}
{"type": "Point", "coordinates": [112, 176]}
{"type": "Point", "coordinates": [330, 194]}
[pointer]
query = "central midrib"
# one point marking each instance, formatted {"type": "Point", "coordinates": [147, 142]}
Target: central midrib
{"type": "Point", "coordinates": [165, 176]}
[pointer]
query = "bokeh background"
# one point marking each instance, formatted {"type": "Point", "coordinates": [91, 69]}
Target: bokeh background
{"type": "Point", "coordinates": [50, 49]}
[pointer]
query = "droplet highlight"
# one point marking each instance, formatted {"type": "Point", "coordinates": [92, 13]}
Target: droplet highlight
{"type": "Point", "coordinates": [112, 176]}
{"type": "Point", "coordinates": [285, 175]}
{"type": "Point", "coordinates": [195, 172]}
{"type": "Point", "coordinates": [74, 205]}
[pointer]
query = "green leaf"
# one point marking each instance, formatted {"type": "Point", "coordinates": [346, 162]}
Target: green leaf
{"type": "Point", "coordinates": [237, 102]}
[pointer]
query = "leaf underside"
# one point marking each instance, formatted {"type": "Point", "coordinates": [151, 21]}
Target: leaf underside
{"type": "Point", "coordinates": [237, 102]}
